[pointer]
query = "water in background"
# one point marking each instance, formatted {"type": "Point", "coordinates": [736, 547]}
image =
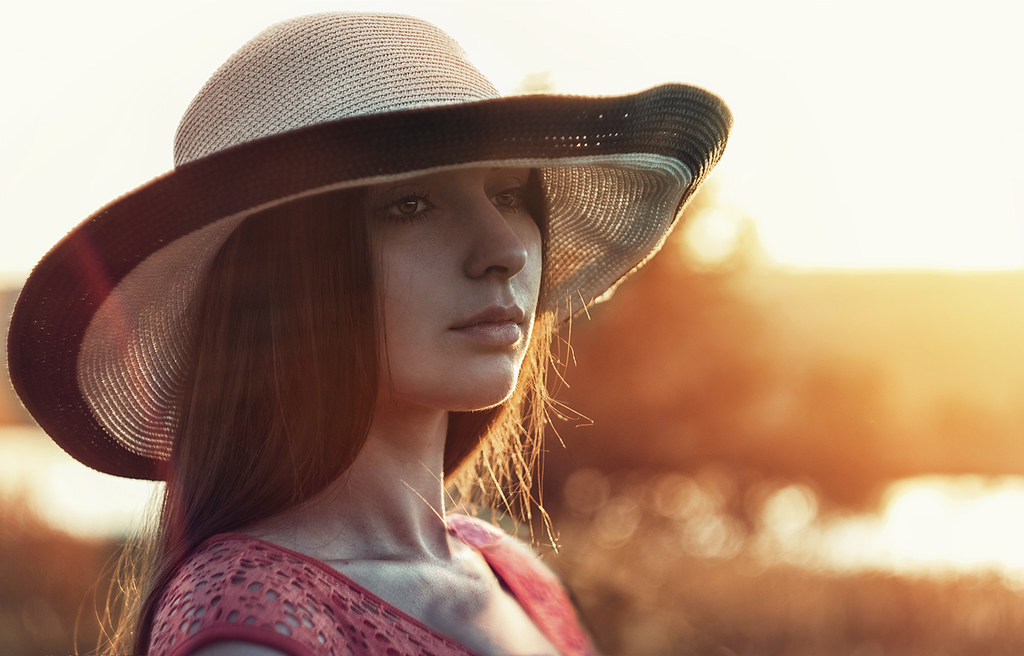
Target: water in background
{"type": "Point", "coordinates": [925, 526]}
{"type": "Point", "coordinates": [65, 493]}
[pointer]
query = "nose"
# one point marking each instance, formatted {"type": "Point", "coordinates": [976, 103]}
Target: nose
{"type": "Point", "coordinates": [496, 247]}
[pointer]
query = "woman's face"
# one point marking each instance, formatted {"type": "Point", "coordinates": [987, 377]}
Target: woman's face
{"type": "Point", "coordinates": [459, 274]}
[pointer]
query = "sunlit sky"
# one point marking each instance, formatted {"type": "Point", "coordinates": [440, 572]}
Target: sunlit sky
{"type": "Point", "coordinates": [875, 134]}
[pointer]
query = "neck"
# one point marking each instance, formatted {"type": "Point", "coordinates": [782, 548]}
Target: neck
{"type": "Point", "coordinates": [389, 505]}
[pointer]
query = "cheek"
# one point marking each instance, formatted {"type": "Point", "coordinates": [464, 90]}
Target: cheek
{"type": "Point", "coordinates": [534, 270]}
{"type": "Point", "coordinates": [404, 268]}
{"type": "Point", "coordinates": [410, 285]}
{"type": "Point", "coordinates": [393, 286]}
{"type": "Point", "coordinates": [398, 301]}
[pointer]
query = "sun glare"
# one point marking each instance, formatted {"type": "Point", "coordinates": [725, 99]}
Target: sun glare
{"type": "Point", "coordinates": [927, 526]}
{"type": "Point", "coordinates": [958, 525]}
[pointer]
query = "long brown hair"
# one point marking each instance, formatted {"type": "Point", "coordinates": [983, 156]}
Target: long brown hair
{"type": "Point", "coordinates": [287, 353]}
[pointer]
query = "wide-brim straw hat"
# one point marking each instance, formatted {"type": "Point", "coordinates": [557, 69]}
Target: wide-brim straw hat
{"type": "Point", "coordinates": [100, 338]}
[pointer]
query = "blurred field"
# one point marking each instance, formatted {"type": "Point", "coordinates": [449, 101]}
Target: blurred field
{"type": "Point", "coordinates": [48, 584]}
{"type": "Point", "coordinates": [648, 595]}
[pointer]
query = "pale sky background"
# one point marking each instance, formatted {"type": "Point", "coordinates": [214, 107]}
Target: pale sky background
{"type": "Point", "coordinates": [881, 133]}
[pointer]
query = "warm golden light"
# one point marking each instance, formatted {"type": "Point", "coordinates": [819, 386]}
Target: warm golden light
{"type": "Point", "coordinates": [783, 453]}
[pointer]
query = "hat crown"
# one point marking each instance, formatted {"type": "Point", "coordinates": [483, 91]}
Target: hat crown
{"type": "Point", "coordinates": [324, 67]}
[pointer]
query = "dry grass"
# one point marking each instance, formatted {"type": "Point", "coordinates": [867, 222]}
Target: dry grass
{"type": "Point", "coordinates": [48, 584]}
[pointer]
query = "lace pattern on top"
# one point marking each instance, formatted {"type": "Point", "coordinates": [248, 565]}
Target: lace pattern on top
{"type": "Point", "coordinates": [237, 587]}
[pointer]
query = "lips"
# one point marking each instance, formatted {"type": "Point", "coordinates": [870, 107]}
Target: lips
{"type": "Point", "coordinates": [494, 314]}
{"type": "Point", "coordinates": [494, 326]}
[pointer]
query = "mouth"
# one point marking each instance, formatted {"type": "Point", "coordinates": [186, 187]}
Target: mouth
{"type": "Point", "coordinates": [494, 326]}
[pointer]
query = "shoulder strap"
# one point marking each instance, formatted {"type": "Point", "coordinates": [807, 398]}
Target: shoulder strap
{"type": "Point", "coordinates": [530, 581]}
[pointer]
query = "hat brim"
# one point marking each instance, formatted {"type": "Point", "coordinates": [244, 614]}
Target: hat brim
{"type": "Point", "coordinates": [672, 134]}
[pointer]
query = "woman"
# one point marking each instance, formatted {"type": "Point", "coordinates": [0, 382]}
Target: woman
{"type": "Point", "coordinates": [335, 310]}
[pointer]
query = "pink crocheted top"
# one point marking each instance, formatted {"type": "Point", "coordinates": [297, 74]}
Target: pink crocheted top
{"type": "Point", "coordinates": [237, 587]}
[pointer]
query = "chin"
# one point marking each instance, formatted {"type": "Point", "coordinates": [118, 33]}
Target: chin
{"type": "Point", "coordinates": [478, 393]}
{"type": "Point", "coordinates": [480, 400]}
{"type": "Point", "coordinates": [463, 387]}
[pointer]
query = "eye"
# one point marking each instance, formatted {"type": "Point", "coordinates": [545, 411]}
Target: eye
{"type": "Point", "coordinates": [510, 199]}
{"type": "Point", "coordinates": [411, 205]}
{"type": "Point", "coordinates": [408, 206]}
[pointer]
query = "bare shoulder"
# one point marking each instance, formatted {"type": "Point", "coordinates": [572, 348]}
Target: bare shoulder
{"type": "Point", "coordinates": [235, 648]}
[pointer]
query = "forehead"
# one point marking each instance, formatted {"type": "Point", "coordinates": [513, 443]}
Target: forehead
{"type": "Point", "coordinates": [471, 175]}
